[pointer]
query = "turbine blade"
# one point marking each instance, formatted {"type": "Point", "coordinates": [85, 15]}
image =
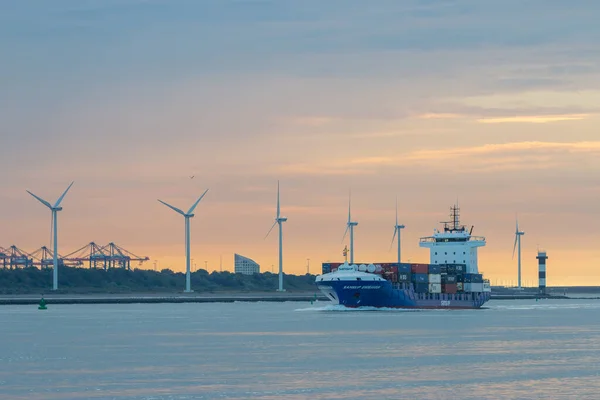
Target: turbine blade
{"type": "Point", "coordinates": [393, 237]}
{"type": "Point", "coordinates": [44, 202]}
{"type": "Point", "coordinates": [193, 207]}
{"type": "Point", "coordinates": [344, 237]}
{"type": "Point", "coordinates": [273, 226]}
{"type": "Point", "coordinates": [515, 246]}
{"type": "Point", "coordinates": [173, 208]}
{"type": "Point", "coordinates": [278, 205]}
{"type": "Point", "coordinates": [60, 199]}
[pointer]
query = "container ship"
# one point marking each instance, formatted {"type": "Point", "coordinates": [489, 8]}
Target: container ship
{"type": "Point", "coordinates": [450, 280]}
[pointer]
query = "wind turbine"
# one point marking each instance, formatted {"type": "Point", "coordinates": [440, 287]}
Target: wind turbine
{"type": "Point", "coordinates": [350, 225]}
{"type": "Point", "coordinates": [518, 235]}
{"type": "Point", "coordinates": [187, 216]}
{"type": "Point", "coordinates": [397, 230]}
{"type": "Point", "coordinates": [279, 220]}
{"type": "Point", "coordinates": [55, 209]}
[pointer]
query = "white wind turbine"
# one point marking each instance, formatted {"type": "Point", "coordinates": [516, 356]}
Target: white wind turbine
{"type": "Point", "coordinates": [518, 235]}
{"type": "Point", "coordinates": [187, 216]}
{"type": "Point", "coordinates": [397, 231]}
{"type": "Point", "coordinates": [350, 226]}
{"type": "Point", "coordinates": [279, 220]}
{"type": "Point", "coordinates": [55, 209]}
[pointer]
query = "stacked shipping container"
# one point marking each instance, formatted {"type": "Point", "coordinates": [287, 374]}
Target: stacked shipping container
{"type": "Point", "coordinates": [426, 278]}
{"type": "Point", "coordinates": [420, 277]}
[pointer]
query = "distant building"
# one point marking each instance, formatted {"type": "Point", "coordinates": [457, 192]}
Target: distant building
{"type": "Point", "coordinates": [246, 266]}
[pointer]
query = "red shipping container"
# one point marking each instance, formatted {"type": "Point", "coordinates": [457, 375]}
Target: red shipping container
{"type": "Point", "coordinates": [449, 288]}
{"type": "Point", "coordinates": [390, 268]}
{"type": "Point", "coordinates": [419, 268]}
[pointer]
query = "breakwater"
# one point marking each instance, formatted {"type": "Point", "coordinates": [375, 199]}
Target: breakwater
{"type": "Point", "coordinates": [208, 298]}
{"type": "Point", "coordinates": [160, 298]}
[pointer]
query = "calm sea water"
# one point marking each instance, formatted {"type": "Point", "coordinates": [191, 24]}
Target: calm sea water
{"type": "Point", "coordinates": [512, 350]}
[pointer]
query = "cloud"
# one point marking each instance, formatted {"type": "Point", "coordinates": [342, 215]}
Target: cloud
{"type": "Point", "coordinates": [440, 116]}
{"type": "Point", "coordinates": [506, 148]}
{"type": "Point", "coordinates": [372, 160]}
{"type": "Point", "coordinates": [512, 156]}
{"type": "Point", "coordinates": [504, 157]}
{"type": "Point", "coordinates": [535, 119]}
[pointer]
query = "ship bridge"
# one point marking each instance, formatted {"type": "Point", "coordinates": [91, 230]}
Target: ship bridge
{"type": "Point", "coordinates": [454, 245]}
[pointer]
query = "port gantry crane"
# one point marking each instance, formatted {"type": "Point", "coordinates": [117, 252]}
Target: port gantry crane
{"type": "Point", "coordinates": [93, 255]}
{"type": "Point", "coordinates": [16, 258]}
{"type": "Point", "coordinates": [3, 256]}
{"type": "Point", "coordinates": [44, 258]}
{"type": "Point", "coordinates": [105, 257]}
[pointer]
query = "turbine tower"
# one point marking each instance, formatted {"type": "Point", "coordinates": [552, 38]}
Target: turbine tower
{"type": "Point", "coordinates": [397, 230]}
{"type": "Point", "coordinates": [54, 226]}
{"type": "Point", "coordinates": [518, 235]}
{"type": "Point", "coordinates": [187, 216]}
{"type": "Point", "coordinates": [350, 226]}
{"type": "Point", "coordinates": [279, 220]}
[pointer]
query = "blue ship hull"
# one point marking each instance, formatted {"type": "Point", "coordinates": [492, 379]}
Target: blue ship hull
{"type": "Point", "coordinates": [384, 294]}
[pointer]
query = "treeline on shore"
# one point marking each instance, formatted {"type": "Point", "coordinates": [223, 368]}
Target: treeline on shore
{"type": "Point", "coordinates": [118, 280]}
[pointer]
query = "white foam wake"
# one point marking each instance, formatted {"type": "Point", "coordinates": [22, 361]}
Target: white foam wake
{"type": "Point", "coordinates": [339, 308]}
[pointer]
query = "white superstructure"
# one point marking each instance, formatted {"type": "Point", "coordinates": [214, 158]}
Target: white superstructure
{"type": "Point", "coordinates": [454, 245]}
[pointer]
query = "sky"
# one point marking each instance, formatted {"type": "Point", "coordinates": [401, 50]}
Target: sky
{"type": "Point", "coordinates": [491, 104]}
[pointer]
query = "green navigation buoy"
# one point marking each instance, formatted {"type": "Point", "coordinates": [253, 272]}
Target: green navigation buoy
{"type": "Point", "coordinates": [42, 305]}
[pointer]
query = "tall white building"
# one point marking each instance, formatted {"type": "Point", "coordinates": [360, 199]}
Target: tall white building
{"type": "Point", "coordinates": [244, 265]}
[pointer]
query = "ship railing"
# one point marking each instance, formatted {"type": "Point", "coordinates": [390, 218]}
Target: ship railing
{"type": "Point", "coordinates": [432, 239]}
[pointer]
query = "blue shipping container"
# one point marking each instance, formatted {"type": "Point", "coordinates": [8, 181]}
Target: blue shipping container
{"type": "Point", "coordinates": [421, 287]}
{"type": "Point", "coordinates": [404, 268]}
{"type": "Point", "coordinates": [434, 269]}
{"type": "Point", "coordinates": [420, 278]}
{"type": "Point", "coordinates": [403, 277]}
{"type": "Point", "coordinates": [460, 267]}
{"type": "Point", "coordinates": [326, 268]}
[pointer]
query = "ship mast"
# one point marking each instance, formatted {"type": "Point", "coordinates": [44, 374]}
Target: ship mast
{"type": "Point", "coordinates": [454, 224]}
{"type": "Point", "coordinates": [455, 217]}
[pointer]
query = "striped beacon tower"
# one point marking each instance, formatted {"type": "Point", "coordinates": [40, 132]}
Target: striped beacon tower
{"type": "Point", "coordinates": [542, 257]}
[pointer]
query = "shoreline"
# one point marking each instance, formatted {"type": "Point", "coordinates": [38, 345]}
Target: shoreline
{"type": "Point", "coordinates": [149, 298]}
{"type": "Point", "coordinates": [231, 297]}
